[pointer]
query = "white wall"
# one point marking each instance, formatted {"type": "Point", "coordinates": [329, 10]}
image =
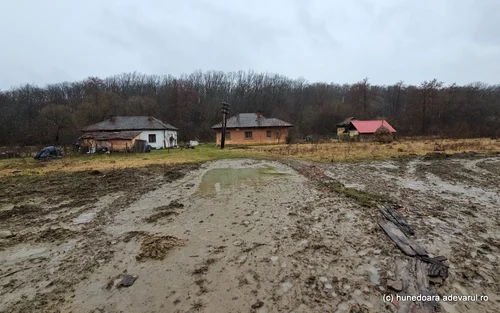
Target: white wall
{"type": "Point", "coordinates": [161, 140]}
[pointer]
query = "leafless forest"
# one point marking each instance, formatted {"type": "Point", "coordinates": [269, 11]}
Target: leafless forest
{"type": "Point", "coordinates": [54, 114]}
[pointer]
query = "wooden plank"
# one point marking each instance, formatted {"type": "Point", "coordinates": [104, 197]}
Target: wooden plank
{"type": "Point", "coordinates": [424, 288]}
{"type": "Point", "coordinates": [436, 267]}
{"type": "Point", "coordinates": [395, 217]}
{"type": "Point", "coordinates": [401, 272]}
{"type": "Point", "coordinates": [401, 221]}
{"type": "Point", "coordinates": [415, 282]}
{"type": "Point", "coordinates": [386, 213]}
{"type": "Point", "coordinates": [408, 246]}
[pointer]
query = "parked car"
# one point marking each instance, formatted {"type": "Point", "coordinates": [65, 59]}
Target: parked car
{"type": "Point", "coordinates": [48, 153]}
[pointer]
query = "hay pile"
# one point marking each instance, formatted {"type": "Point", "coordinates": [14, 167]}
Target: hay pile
{"type": "Point", "coordinates": [383, 135]}
{"type": "Point", "coordinates": [156, 247]}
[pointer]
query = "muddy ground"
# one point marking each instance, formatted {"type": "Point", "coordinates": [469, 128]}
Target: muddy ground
{"type": "Point", "coordinates": [242, 236]}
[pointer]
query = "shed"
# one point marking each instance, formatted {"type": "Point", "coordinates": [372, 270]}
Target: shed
{"type": "Point", "coordinates": [363, 130]}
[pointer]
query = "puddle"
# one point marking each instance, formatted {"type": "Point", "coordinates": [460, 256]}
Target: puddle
{"type": "Point", "coordinates": [445, 189]}
{"type": "Point", "coordinates": [390, 166]}
{"type": "Point", "coordinates": [469, 192]}
{"type": "Point", "coordinates": [84, 218]}
{"type": "Point", "coordinates": [218, 180]}
{"type": "Point", "coordinates": [6, 207]}
{"type": "Point", "coordinates": [342, 307]}
{"type": "Point", "coordinates": [372, 272]}
{"type": "Point", "coordinates": [284, 287]}
{"type": "Point", "coordinates": [24, 253]}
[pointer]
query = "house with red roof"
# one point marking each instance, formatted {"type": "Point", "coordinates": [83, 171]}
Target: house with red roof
{"type": "Point", "coordinates": [361, 130]}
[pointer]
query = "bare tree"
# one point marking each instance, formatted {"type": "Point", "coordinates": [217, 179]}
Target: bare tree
{"type": "Point", "coordinates": [191, 102]}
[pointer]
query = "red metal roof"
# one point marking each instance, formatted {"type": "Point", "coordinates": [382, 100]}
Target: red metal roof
{"type": "Point", "coordinates": [370, 127]}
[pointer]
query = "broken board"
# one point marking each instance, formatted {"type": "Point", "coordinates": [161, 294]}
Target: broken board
{"type": "Point", "coordinates": [408, 246]}
{"type": "Point", "coordinates": [395, 217]}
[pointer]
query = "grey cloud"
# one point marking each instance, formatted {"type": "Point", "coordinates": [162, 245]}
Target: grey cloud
{"type": "Point", "coordinates": [321, 40]}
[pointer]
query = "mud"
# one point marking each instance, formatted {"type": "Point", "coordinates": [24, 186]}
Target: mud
{"type": "Point", "coordinates": [156, 247]}
{"type": "Point", "coordinates": [453, 204]}
{"type": "Point", "coordinates": [242, 236]}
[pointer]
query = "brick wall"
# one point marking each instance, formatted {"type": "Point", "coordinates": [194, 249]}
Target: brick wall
{"type": "Point", "coordinates": [258, 136]}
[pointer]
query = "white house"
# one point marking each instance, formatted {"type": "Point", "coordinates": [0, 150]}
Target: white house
{"type": "Point", "coordinates": [124, 130]}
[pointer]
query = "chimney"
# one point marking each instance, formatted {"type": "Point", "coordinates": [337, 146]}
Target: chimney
{"type": "Point", "coordinates": [112, 118]}
{"type": "Point", "coordinates": [150, 118]}
{"type": "Point", "coordinates": [259, 114]}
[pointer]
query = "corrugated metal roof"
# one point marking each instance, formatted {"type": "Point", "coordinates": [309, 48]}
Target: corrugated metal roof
{"type": "Point", "coordinates": [345, 122]}
{"type": "Point", "coordinates": [370, 127]}
{"type": "Point", "coordinates": [119, 123]}
{"type": "Point", "coordinates": [121, 135]}
{"type": "Point", "coordinates": [250, 120]}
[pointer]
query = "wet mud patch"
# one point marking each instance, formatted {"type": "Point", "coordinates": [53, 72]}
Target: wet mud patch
{"type": "Point", "coordinates": [491, 166]}
{"type": "Point", "coordinates": [55, 235]}
{"type": "Point", "coordinates": [65, 214]}
{"type": "Point", "coordinates": [22, 211]}
{"type": "Point", "coordinates": [156, 247]}
{"type": "Point", "coordinates": [50, 235]}
{"type": "Point", "coordinates": [162, 214]}
{"type": "Point", "coordinates": [452, 204]}
{"type": "Point", "coordinates": [164, 211]}
{"type": "Point", "coordinates": [220, 180]}
{"type": "Point", "coordinates": [128, 236]}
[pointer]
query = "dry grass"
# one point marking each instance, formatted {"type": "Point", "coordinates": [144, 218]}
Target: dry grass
{"type": "Point", "coordinates": [107, 162]}
{"type": "Point", "coordinates": [352, 151]}
{"type": "Point", "coordinates": [324, 152]}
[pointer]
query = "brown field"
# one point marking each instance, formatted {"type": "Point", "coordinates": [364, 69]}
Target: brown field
{"type": "Point", "coordinates": [352, 151]}
{"type": "Point", "coordinates": [322, 152]}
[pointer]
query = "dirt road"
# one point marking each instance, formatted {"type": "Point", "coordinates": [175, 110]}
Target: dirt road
{"type": "Point", "coordinates": [240, 236]}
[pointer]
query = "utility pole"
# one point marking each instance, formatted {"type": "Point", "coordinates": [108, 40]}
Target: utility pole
{"type": "Point", "coordinates": [225, 111]}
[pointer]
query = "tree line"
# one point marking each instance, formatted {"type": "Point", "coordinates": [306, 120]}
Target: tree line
{"type": "Point", "coordinates": [54, 114]}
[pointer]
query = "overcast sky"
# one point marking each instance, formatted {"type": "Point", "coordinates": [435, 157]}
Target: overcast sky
{"type": "Point", "coordinates": [52, 41]}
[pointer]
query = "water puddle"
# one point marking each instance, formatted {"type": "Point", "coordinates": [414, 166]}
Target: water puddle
{"type": "Point", "coordinates": [459, 189]}
{"type": "Point", "coordinates": [372, 272]}
{"type": "Point", "coordinates": [24, 252]}
{"type": "Point", "coordinates": [84, 218]}
{"type": "Point", "coordinates": [284, 287]}
{"type": "Point", "coordinates": [342, 307]}
{"type": "Point", "coordinates": [219, 180]}
{"type": "Point", "coordinates": [389, 166]}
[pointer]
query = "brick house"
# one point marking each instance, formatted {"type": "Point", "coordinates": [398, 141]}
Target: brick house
{"type": "Point", "coordinates": [253, 128]}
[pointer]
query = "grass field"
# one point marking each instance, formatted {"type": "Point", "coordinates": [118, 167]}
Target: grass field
{"type": "Point", "coordinates": [103, 162]}
{"type": "Point", "coordinates": [324, 152]}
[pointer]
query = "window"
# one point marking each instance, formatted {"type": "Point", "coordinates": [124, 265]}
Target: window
{"type": "Point", "coordinates": [228, 135]}
{"type": "Point", "coordinates": [248, 135]}
{"type": "Point", "coordinates": [152, 138]}
{"type": "Point", "coordinates": [269, 134]}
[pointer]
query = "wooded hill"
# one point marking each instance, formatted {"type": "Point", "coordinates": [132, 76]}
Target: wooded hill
{"type": "Point", "coordinates": [54, 114]}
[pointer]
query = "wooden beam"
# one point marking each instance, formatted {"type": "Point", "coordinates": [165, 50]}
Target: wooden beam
{"type": "Point", "coordinates": [395, 217]}
{"type": "Point", "coordinates": [408, 246]}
